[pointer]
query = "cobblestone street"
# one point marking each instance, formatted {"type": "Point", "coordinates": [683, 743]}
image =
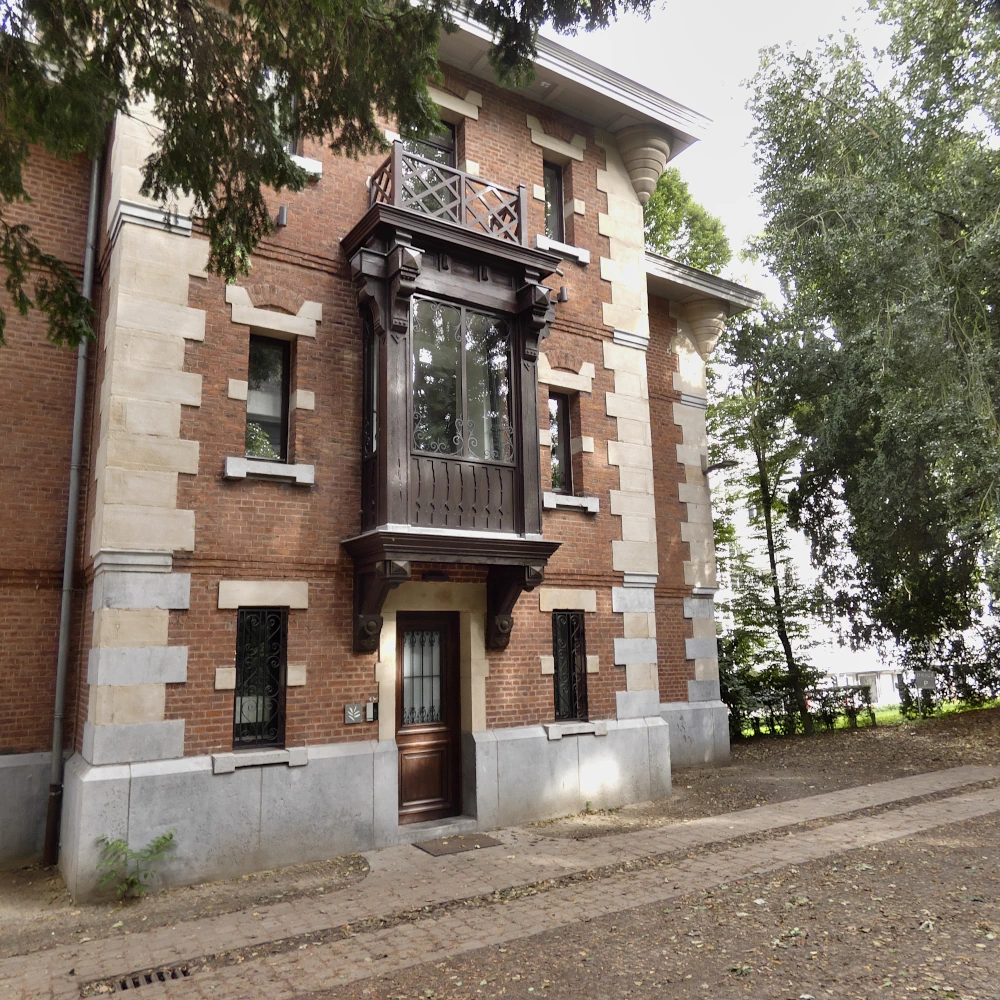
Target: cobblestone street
{"type": "Point", "coordinates": [388, 934]}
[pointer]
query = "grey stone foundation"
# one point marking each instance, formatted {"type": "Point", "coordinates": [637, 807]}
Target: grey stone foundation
{"type": "Point", "coordinates": [345, 799]}
{"type": "Point", "coordinates": [24, 790]}
{"type": "Point", "coordinates": [699, 731]}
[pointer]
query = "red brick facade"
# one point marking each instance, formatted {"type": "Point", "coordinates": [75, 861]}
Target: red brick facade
{"type": "Point", "coordinates": [256, 529]}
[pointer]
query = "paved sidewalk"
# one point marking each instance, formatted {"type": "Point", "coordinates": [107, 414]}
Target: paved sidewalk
{"type": "Point", "coordinates": [404, 878]}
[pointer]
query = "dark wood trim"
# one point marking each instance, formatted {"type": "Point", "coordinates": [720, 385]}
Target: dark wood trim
{"type": "Point", "coordinates": [444, 235]}
{"type": "Point", "coordinates": [387, 250]}
{"type": "Point", "coordinates": [372, 584]}
{"type": "Point", "coordinates": [400, 545]}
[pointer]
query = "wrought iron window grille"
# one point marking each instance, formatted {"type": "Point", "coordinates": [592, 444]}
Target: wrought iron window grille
{"type": "Point", "coordinates": [261, 664]}
{"type": "Point", "coordinates": [569, 649]}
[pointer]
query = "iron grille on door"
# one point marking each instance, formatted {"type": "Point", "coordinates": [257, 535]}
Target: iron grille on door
{"type": "Point", "coordinates": [259, 710]}
{"type": "Point", "coordinates": [569, 648]}
{"type": "Point", "coordinates": [421, 676]}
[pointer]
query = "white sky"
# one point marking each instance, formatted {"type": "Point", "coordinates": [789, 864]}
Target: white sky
{"type": "Point", "coordinates": [701, 54]}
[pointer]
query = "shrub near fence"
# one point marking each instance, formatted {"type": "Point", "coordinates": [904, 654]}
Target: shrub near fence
{"type": "Point", "coordinates": [763, 703]}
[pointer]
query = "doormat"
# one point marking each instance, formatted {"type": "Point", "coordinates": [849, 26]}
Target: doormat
{"type": "Point", "coordinates": [457, 844]}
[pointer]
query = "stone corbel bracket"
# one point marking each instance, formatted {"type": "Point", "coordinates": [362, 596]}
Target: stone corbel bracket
{"type": "Point", "coordinates": [644, 150]}
{"type": "Point", "coordinates": [707, 319]}
{"type": "Point", "coordinates": [371, 588]}
{"type": "Point", "coordinates": [504, 585]}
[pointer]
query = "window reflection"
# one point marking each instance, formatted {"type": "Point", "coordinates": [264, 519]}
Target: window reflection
{"type": "Point", "coordinates": [487, 365]}
{"type": "Point", "coordinates": [436, 377]}
{"type": "Point", "coordinates": [461, 383]}
{"type": "Point", "coordinates": [267, 399]}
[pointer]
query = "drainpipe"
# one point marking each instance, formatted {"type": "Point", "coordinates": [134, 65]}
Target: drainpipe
{"type": "Point", "coordinates": [50, 854]}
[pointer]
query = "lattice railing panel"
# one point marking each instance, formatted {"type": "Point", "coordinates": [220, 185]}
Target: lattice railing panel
{"type": "Point", "coordinates": [441, 192]}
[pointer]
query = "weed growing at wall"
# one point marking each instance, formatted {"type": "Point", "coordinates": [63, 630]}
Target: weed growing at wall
{"type": "Point", "coordinates": [130, 871]}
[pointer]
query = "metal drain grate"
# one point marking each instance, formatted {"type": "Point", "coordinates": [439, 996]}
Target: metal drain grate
{"type": "Point", "coordinates": [134, 980]}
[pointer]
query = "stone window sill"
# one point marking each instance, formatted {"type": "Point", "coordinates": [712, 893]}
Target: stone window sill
{"type": "Point", "coordinates": [579, 254]}
{"type": "Point", "coordinates": [226, 763]}
{"type": "Point", "coordinates": [563, 501]}
{"type": "Point", "coordinates": [241, 468]}
{"type": "Point", "coordinates": [312, 167]}
{"type": "Point", "coordinates": [557, 730]}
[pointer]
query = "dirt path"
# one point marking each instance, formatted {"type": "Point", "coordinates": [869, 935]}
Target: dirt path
{"type": "Point", "coordinates": [36, 911]}
{"type": "Point", "coordinates": [767, 770]}
{"type": "Point", "coordinates": [915, 919]}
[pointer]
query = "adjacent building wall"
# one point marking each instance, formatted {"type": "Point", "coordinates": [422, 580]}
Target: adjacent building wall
{"type": "Point", "coordinates": [37, 381]}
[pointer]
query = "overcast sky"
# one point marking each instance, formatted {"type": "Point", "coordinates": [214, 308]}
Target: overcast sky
{"type": "Point", "coordinates": [701, 54]}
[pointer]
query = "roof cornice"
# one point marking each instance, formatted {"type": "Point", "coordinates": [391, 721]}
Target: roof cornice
{"type": "Point", "coordinates": [670, 279]}
{"type": "Point", "coordinates": [620, 101]}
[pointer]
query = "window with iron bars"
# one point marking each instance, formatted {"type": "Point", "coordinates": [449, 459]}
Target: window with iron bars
{"type": "Point", "coordinates": [261, 651]}
{"type": "Point", "coordinates": [569, 650]}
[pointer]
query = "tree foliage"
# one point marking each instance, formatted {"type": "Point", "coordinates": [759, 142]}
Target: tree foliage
{"type": "Point", "coordinates": [229, 81]}
{"type": "Point", "coordinates": [753, 422]}
{"type": "Point", "coordinates": [880, 184]}
{"type": "Point", "coordinates": [677, 226]}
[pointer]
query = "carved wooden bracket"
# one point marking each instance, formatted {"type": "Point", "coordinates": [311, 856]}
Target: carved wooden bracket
{"type": "Point", "coordinates": [403, 265]}
{"type": "Point", "coordinates": [384, 283]}
{"type": "Point", "coordinates": [368, 275]}
{"type": "Point", "coordinates": [371, 588]}
{"type": "Point", "coordinates": [504, 585]}
{"type": "Point", "coordinates": [534, 304]}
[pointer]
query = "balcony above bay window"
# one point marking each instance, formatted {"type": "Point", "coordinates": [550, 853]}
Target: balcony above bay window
{"type": "Point", "coordinates": [453, 305]}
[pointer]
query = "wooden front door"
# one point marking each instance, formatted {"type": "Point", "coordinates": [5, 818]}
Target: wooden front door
{"type": "Point", "coordinates": [427, 716]}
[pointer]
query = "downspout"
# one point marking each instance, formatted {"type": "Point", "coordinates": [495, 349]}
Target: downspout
{"type": "Point", "coordinates": [50, 854]}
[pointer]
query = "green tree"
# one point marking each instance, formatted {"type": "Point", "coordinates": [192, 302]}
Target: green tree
{"type": "Point", "coordinates": [229, 80]}
{"type": "Point", "coordinates": [677, 226]}
{"type": "Point", "coordinates": [753, 424]}
{"type": "Point", "coordinates": [880, 180]}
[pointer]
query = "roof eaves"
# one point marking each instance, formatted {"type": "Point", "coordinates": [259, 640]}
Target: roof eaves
{"type": "Point", "coordinates": [643, 101]}
{"type": "Point", "coordinates": [670, 279]}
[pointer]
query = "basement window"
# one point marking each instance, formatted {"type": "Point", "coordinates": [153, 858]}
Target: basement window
{"type": "Point", "coordinates": [569, 650]}
{"type": "Point", "coordinates": [261, 654]}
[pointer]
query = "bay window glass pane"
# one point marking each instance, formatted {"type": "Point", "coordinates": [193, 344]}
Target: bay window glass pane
{"type": "Point", "coordinates": [369, 430]}
{"type": "Point", "coordinates": [487, 369]}
{"type": "Point", "coordinates": [436, 378]}
{"type": "Point", "coordinates": [266, 399]}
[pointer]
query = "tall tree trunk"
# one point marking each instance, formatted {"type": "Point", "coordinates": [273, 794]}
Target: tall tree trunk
{"type": "Point", "coordinates": [794, 673]}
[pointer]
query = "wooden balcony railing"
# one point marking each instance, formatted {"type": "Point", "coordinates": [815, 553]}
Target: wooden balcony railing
{"type": "Point", "coordinates": [420, 185]}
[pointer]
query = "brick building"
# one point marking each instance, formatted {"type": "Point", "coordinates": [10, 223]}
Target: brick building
{"type": "Point", "coordinates": [408, 530]}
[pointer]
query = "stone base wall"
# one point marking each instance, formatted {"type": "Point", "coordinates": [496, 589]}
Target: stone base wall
{"type": "Point", "coordinates": [24, 790]}
{"type": "Point", "coordinates": [699, 732]}
{"type": "Point", "coordinates": [344, 799]}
